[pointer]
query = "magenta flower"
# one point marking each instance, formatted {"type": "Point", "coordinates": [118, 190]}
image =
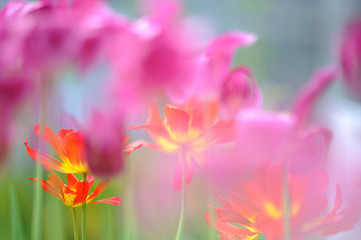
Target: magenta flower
{"type": "Point", "coordinates": [104, 144]}
{"type": "Point", "coordinates": [13, 89]}
{"type": "Point", "coordinates": [269, 136]}
{"type": "Point", "coordinates": [239, 91]}
{"type": "Point", "coordinates": [350, 57]}
{"type": "Point", "coordinates": [216, 61]}
{"type": "Point", "coordinates": [144, 47]}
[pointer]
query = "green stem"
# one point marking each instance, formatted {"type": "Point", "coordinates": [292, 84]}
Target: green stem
{"type": "Point", "coordinates": [75, 225]}
{"type": "Point", "coordinates": [286, 207]}
{"type": "Point", "coordinates": [38, 195]}
{"type": "Point", "coordinates": [184, 183]}
{"type": "Point", "coordinates": [83, 208]}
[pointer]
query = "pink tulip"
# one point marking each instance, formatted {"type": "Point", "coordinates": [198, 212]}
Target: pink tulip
{"type": "Point", "coordinates": [350, 57]}
{"type": "Point", "coordinates": [13, 89]}
{"type": "Point", "coordinates": [239, 91]}
{"type": "Point", "coordinates": [216, 62]}
{"type": "Point", "coordinates": [156, 53]}
{"type": "Point", "coordinates": [105, 144]}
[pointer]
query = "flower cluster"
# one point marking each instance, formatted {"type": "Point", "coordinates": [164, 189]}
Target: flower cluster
{"type": "Point", "coordinates": [270, 168]}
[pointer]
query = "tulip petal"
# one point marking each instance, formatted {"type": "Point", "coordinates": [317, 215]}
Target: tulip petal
{"type": "Point", "coordinates": [112, 201]}
{"type": "Point", "coordinates": [100, 188]}
{"type": "Point", "coordinates": [177, 121]}
{"type": "Point", "coordinates": [222, 132]}
{"type": "Point", "coordinates": [308, 96]}
{"type": "Point", "coordinates": [51, 139]}
{"type": "Point", "coordinates": [48, 161]}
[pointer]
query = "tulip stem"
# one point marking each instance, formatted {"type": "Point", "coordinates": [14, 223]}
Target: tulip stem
{"type": "Point", "coordinates": [38, 195]}
{"type": "Point", "coordinates": [184, 183]}
{"type": "Point", "coordinates": [286, 207]}
{"type": "Point", "coordinates": [75, 227]}
{"type": "Point", "coordinates": [83, 208]}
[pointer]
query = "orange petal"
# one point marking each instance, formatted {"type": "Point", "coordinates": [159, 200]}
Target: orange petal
{"type": "Point", "coordinates": [222, 132]}
{"type": "Point", "coordinates": [72, 180]}
{"type": "Point", "coordinates": [48, 161]}
{"type": "Point", "coordinates": [155, 125]}
{"type": "Point", "coordinates": [203, 115]}
{"type": "Point", "coordinates": [100, 188]}
{"type": "Point", "coordinates": [112, 201]}
{"type": "Point", "coordinates": [51, 139]}
{"type": "Point", "coordinates": [73, 145]}
{"type": "Point", "coordinates": [129, 148]}
{"type": "Point", "coordinates": [177, 121]}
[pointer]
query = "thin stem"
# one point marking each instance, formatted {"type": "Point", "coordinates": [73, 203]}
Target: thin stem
{"type": "Point", "coordinates": [38, 195]}
{"type": "Point", "coordinates": [286, 207]}
{"type": "Point", "coordinates": [83, 208]}
{"type": "Point", "coordinates": [184, 183]}
{"type": "Point", "coordinates": [75, 225]}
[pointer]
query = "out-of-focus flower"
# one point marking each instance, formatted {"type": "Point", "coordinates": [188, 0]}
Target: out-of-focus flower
{"type": "Point", "coordinates": [239, 91]}
{"type": "Point", "coordinates": [68, 144]}
{"type": "Point", "coordinates": [306, 99]}
{"type": "Point", "coordinates": [269, 136]}
{"type": "Point", "coordinates": [350, 57]}
{"type": "Point", "coordinates": [104, 145]}
{"type": "Point", "coordinates": [41, 37]}
{"type": "Point", "coordinates": [193, 126]}
{"type": "Point", "coordinates": [76, 192]}
{"type": "Point", "coordinates": [216, 61]}
{"type": "Point", "coordinates": [257, 207]}
{"type": "Point", "coordinates": [145, 46]}
{"type": "Point", "coordinates": [13, 89]}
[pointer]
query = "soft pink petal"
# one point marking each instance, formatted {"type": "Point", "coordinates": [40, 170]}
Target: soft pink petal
{"type": "Point", "coordinates": [307, 98]}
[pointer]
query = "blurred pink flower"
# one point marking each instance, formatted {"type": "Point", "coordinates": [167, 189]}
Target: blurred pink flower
{"type": "Point", "coordinates": [194, 127]}
{"type": "Point", "coordinates": [239, 91]}
{"type": "Point", "coordinates": [269, 136]}
{"type": "Point", "coordinates": [216, 61]}
{"type": "Point", "coordinates": [350, 57]}
{"type": "Point", "coordinates": [104, 144]}
{"type": "Point", "coordinates": [156, 53]}
{"type": "Point", "coordinates": [256, 207]}
{"type": "Point", "coordinates": [13, 90]}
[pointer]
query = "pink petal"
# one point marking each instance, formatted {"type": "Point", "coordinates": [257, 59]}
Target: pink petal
{"type": "Point", "coordinates": [308, 96]}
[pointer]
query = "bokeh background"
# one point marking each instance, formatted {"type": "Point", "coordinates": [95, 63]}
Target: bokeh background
{"type": "Point", "coordinates": [295, 38]}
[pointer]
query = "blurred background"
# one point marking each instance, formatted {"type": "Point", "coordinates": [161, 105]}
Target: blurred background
{"type": "Point", "coordinates": [295, 38]}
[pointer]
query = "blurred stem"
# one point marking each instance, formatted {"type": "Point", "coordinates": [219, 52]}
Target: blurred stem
{"type": "Point", "coordinates": [16, 224]}
{"type": "Point", "coordinates": [75, 227]}
{"type": "Point", "coordinates": [184, 183]}
{"type": "Point", "coordinates": [38, 195]}
{"type": "Point", "coordinates": [211, 235]}
{"type": "Point", "coordinates": [83, 208]}
{"type": "Point", "coordinates": [286, 206]}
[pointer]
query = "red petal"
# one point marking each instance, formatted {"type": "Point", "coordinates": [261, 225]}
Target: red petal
{"type": "Point", "coordinates": [51, 139]}
{"type": "Point", "coordinates": [100, 188]}
{"type": "Point", "coordinates": [112, 201]}
{"type": "Point", "coordinates": [73, 144]}
{"type": "Point", "coordinates": [48, 161]}
{"type": "Point", "coordinates": [72, 180]}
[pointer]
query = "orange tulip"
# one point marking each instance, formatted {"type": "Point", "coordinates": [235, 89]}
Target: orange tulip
{"type": "Point", "coordinates": [68, 144]}
{"type": "Point", "coordinates": [76, 192]}
{"type": "Point", "coordinates": [194, 127]}
{"type": "Point", "coordinates": [257, 207]}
